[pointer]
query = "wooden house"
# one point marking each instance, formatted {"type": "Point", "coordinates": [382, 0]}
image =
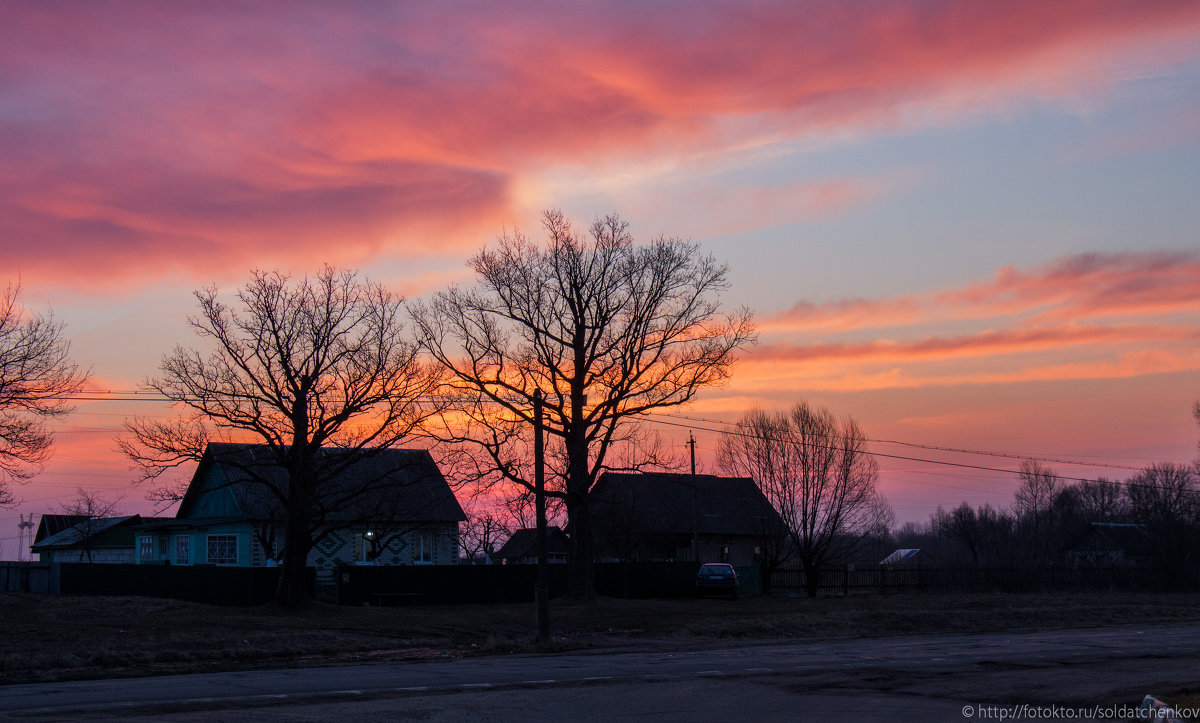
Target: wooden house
{"type": "Point", "coordinates": [664, 516]}
{"type": "Point", "coordinates": [389, 507]}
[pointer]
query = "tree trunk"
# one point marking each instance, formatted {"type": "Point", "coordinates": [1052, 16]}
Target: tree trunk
{"type": "Point", "coordinates": [581, 572]}
{"type": "Point", "coordinates": [812, 577]}
{"type": "Point", "coordinates": [293, 590]}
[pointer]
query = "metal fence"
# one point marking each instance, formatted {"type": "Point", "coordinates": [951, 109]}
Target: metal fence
{"type": "Point", "coordinates": [851, 579]}
{"type": "Point", "coordinates": [440, 584]}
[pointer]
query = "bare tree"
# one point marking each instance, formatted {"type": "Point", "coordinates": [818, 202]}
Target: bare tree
{"type": "Point", "coordinates": [961, 523]}
{"type": "Point", "coordinates": [1033, 505]}
{"type": "Point", "coordinates": [480, 535]}
{"type": "Point", "coordinates": [36, 380]}
{"type": "Point", "coordinates": [299, 365]}
{"type": "Point", "coordinates": [93, 511]}
{"type": "Point", "coordinates": [1166, 499]}
{"type": "Point", "coordinates": [1102, 500]}
{"type": "Point", "coordinates": [607, 330]}
{"type": "Point", "coordinates": [816, 472]}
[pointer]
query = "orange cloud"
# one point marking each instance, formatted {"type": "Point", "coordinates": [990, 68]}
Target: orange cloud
{"type": "Point", "coordinates": [1070, 288]}
{"type": "Point", "coordinates": [984, 343]}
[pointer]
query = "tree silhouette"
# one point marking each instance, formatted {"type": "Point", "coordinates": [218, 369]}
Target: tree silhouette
{"type": "Point", "coordinates": [300, 366]}
{"type": "Point", "coordinates": [36, 380]}
{"type": "Point", "coordinates": [817, 473]}
{"type": "Point", "coordinates": [607, 330]}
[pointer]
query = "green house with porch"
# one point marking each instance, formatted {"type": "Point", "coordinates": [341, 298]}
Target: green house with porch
{"type": "Point", "coordinates": [387, 506]}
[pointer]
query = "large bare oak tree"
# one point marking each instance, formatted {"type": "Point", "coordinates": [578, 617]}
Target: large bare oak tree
{"type": "Point", "coordinates": [606, 329]}
{"type": "Point", "coordinates": [37, 379]}
{"type": "Point", "coordinates": [817, 472]}
{"type": "Point", "coordinates": [300, 366]}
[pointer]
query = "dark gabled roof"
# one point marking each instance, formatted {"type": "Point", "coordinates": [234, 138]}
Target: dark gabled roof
{"type": "Point", "coordinates": [523, 544]}
{"type": "Point", "coordinates": [685, 503]}
{"type": "Point", "coordinates": [402, 485]}
{"type": "Point", "coordinates": [1129, 538]}
{"type": "Point", "coordinates": [53, 524]}
{"type": "Point", "coordinates": [100, 531]}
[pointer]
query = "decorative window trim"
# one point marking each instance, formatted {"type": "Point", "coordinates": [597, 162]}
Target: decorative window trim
{"type": "Point", "coordinates": [222, 542]}
{"type": "Point", "coordinates": [183, 544]}
{"type": "Point", "coordinates": [146, 548]}
{"type": "Point", "coordinates": [423, 547]}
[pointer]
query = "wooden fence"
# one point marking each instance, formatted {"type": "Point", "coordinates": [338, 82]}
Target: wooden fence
{"type": "Point", "coordinates": [24, 576]}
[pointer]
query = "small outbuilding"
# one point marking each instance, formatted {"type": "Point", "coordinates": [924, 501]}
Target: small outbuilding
{"type": "Point", "coordinates": [1114, 544]}
{"type": "Point", "coordinates": [521, 548]}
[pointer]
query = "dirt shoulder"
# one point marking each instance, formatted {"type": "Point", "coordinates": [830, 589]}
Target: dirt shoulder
{"type": "Point", "coordinates": [68, 638]}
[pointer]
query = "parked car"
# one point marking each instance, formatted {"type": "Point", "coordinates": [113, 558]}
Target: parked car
{"type": "Point", "coordinates": [717, 577]}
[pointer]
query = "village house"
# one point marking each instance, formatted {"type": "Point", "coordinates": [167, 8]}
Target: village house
{"type": "Point", "coordinates": [1114, 544]}
{"type": "Point", "coordinates": [389, 507]}
{"type": "Point", "coordinates": [80, 538]}
{"type": "Point", "coordinates": [666, 516]}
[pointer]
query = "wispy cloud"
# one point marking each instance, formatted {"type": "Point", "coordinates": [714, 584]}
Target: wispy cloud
{"type": "Point", "coordinates": [1090, 316]}
{"type": "Point", "coordinates": [1070, 288]}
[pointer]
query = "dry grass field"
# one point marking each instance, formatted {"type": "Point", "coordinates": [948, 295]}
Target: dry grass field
{"type": "Point", "coordinates": [57, 638]}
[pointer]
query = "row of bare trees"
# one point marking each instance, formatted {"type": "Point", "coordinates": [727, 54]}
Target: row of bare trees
{"type": "Point", "coordinates": [607, 331]}
{"type": "Point", "coordinates": [1049, 516]}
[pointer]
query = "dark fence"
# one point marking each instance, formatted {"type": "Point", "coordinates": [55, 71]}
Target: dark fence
{"type": "Point", "coordinates": [24, 576]}
{"type": "Point", "coordinates": [424, 584]}
{"type": "Point", "coordinates": [235, 586]}
{"type": "Point", "coordinates": [848, 580]}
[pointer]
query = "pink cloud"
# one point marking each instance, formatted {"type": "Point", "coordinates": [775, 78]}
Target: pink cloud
{"type": "Point", "coordinates": [138, 137]}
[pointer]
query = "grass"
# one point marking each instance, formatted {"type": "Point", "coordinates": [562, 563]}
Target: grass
{"type": "Point", "coordinates": [59, 638]}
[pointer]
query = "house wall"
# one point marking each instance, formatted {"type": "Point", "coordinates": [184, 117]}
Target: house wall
{"type": "Point", "coordinates": [166, 545]}
{"type": "Point", "coordinates": [341, 548]}
{"type": "Point", "coordinates": [337, 548]}
{"type": "Point", "coordinates": [737, 550]}
{"type": "Point", "coordinates": [216, 499]}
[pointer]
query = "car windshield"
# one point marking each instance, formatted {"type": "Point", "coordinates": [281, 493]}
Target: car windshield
{"type": "Point", "coordinates": [715, 570]}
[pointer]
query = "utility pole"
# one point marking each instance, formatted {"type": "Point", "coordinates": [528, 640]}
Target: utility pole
{"type": "Point", "coordinates": [541, 594]}
{"type": "Point", "coordinates": [692, 443]}
{"type": "Point", "coordinates": [695, 493]}
{"type": "Point", "coordinates": [25, 537]}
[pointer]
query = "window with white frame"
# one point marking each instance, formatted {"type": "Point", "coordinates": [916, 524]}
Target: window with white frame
{"type": "Point", "coordinates": [183, 549]}
{"type": "Point", "coordinates": [222, 550]}
{"type": "Point", "coordinates": [146, 549]}
{"type": "Point", "coordinates": [423, 547]}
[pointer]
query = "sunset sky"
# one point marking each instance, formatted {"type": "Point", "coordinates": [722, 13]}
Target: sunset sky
{"type": "Point", "coordinates": [970, 225]}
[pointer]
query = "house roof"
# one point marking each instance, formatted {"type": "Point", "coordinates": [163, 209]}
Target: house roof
{"type": "Point", "coordinates": [392, 484]}
{"type": "Point", "coordinates": [523, 543]}
{"type": "Point", "coordinates": [686, 504]}
{"type": "Point", "coordinates": [901, 555]}
{"type": "Point", "coordinates": [97, 530]}
{"type": "Point", "coordinates": [51, 525]}
{"type": "Point", "coordinates": [1130, 538]}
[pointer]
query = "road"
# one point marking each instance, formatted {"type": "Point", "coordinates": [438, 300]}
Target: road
{"type": "Point", "coordinates": [928, 676]}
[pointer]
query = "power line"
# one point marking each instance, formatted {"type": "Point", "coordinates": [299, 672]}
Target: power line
{"type": "Point", "coordinates": [155, 397]}
{"type": "Point", "coordinates": [931, 447]}
{"type": "Point", "coordinates": [961, 465]}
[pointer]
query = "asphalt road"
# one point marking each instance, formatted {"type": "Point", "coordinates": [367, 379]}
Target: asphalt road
{"type": "Point", "coordinates": [930, 677]}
